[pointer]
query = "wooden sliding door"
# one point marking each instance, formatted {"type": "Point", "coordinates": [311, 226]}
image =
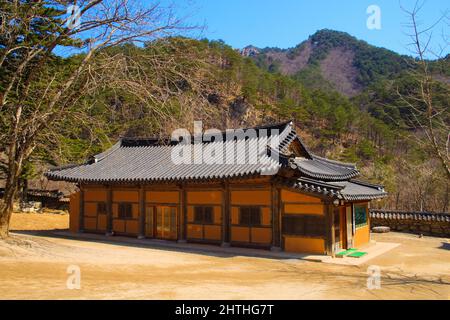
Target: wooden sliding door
{"type": "Point", "coordinates": [166, 222]}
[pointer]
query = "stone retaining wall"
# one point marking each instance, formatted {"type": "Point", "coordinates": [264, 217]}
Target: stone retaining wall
{"type": "Point", "coordinates": [435, 224]}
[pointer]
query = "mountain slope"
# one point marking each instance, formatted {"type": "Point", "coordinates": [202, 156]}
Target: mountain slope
{"type": "Point", "coordinates": [333, 59]}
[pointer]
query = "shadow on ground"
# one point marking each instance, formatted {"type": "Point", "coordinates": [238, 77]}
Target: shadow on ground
{"type": "Point", "coordinates": [164, 245]}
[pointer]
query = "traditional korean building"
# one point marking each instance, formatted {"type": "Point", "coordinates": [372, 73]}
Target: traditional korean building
{"type": "Point", "coordinates": [307, 204]}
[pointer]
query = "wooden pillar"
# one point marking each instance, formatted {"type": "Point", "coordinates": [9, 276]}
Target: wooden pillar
{"type": "Point", "coordinates": [276, 216]}
{"type": "Point", "coordinates": [368, 220]}
{"type": "Point", "coordinates": [329, 234]}
{"type": "Point", "coordinates": [182, 214]}
{"type": "Point", "coordinates": [81, 216]}
{"type": "Point", "coordinates": [141, 212]}
{"type": "Point", "coordinates": [349, 220]}
{"type": "Point", "coordinates": [109, 212]}
{"type": "Point", "coordinates": [333, 231]}
{"type": "Point", "coordinates": [226, 215]}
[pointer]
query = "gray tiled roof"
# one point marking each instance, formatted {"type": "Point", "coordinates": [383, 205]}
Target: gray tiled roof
{"type": "Point", "coordinates": [144, 160]}
{"type": "Point", "coordinates": [352, 190]}
{"type": "Point", "coordinates": [154, 163]}
{"type": "Point", "coordinates": [149, 160]}
{"type": "Point", "coordinates": [324, 169]}
{"type": "Point", "coordinates": [312, 186]}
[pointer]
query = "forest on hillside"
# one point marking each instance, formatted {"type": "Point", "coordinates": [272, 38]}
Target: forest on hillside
{"type": "Point", "coordinates": [167, 82]}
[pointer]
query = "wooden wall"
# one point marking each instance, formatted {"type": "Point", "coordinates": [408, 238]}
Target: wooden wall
{"type": "Point", "coordinates": [227, 201]}
{"type": "Point", "coordinates": [128, 226]}
{"type": "Point", "coordinates": [162, 197]}
{"type": "Point", "coordinates": [204, 232]}
{"type": "Point", "coordinates": [74, 212]}
{"type": "Point", "coordinates": [362, 234]}
{"type": "Point", "coordinates": [94, 222]}
{"type": "Point", "coordinates": [251, 235]}
{"type": "Point", "coordinates": [299, 205]}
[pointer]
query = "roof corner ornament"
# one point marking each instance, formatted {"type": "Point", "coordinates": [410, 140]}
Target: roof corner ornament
{"type": "Point", "coordinates": [292, 163]}
{"type": "Point", "coordinates": [92, 160]}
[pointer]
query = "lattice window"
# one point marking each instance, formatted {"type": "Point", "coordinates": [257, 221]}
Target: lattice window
{"type": "Point", "coordinates": [101, 208]}
{"type": "Point", "coordinates": [304, 226]}
{"type": "Point", "coordinates": [250, 216]}
{"type": "Point", "coordinates": [125, 210]}
{"type": "Point", "coordinates": [203, 215]}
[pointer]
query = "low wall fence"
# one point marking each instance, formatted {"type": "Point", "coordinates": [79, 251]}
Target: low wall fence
{"type": "Point", "coordinates": [52, 199]}
{"type": "Point", "coordinates": [426, 223]}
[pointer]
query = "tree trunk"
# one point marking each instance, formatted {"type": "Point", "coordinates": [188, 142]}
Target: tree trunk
{"type": "Point", "coordinates": [7, 206]}
{"type": "Point", "coordinates": [446, 198]}
{"type": "Point", "coordinates": [6, 209]}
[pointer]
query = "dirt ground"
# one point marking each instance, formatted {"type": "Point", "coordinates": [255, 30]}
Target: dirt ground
{"type": "Point", "coordinates": [35, 267]}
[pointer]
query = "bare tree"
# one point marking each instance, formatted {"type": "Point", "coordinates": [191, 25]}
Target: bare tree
{"type": "Point", "coordinates": [429, 116]}
{"type": "Point", "coordinates": [37, 92]}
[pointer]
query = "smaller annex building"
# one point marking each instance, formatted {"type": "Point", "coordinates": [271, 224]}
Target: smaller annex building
{"type": "Point", "coordinates": [308, 204]}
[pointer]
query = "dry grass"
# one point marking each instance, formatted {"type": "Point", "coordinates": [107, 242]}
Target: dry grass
{"type": "Point", "coordinates": [48, 220]}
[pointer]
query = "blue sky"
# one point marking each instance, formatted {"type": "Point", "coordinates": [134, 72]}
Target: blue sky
{"type": "Point", "coordinates": [285, 23]}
